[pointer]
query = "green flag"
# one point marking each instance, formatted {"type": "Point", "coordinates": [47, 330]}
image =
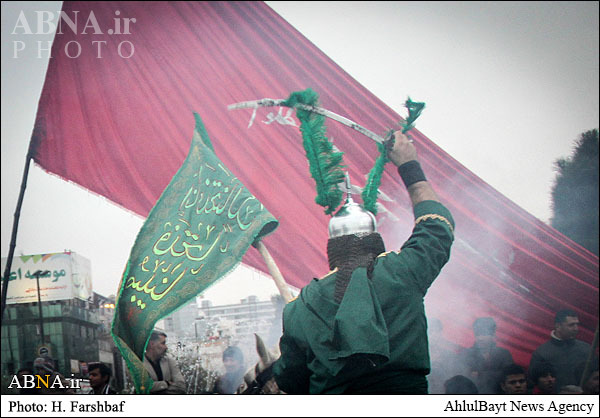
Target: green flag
{"type": "Point", "coordinates": [201, 226]}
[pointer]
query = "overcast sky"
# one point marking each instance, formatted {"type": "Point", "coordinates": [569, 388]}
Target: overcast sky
{"type": "Point", "coordinates": [509, 87]}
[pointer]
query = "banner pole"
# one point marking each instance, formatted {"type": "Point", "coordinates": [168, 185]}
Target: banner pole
{"type": "Point", "coordinates": [13, 238]}
{"type": "Point", "coordinates": [275, 273]}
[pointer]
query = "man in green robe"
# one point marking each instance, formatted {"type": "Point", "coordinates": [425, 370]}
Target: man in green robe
{"type": "Point", "coordinates": [362, 328]}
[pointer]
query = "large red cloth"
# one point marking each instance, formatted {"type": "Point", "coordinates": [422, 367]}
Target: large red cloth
{"type": "Point", "coordinates": [121, 128]}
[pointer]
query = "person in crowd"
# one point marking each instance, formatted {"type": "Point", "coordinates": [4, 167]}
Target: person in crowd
{"type": "Point", "coordinates": [460, 385]}
{"type": "Point", "coordinates": [443, 357]}
{"type": "Point", "coordinates": [99, 375]}
{"type": "Point", "coordinates": [513, 380]}
{"type": "Point", "coordinates": [45, 368]}
{"type": "Point", "coordinates": [570, 390]}
{"type": "Point", "coordinates": [233, 360]}
{"type": "Point", "coordinates": [362, 328]}
{"type": "Point", "coordinates": [543, 378]}
{"type": "Point", "coordinates": [484, 361]}
{"type": "Point", "coordinates": [162, 367]}
{"type": "Point", "coordinates": [563, 351]}
{"type": "Point", "coordinates": [21, 373]}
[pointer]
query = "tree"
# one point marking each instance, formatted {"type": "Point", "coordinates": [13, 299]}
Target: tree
{"type": "Point", "coordinates": [575, 193]}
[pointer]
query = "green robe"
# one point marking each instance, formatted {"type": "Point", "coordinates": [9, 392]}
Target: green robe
{"type": "Point", "coordinates": [375, 340]}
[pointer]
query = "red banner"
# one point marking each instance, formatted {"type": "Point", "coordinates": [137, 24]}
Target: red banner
{"type": "Point", "coordinates": [116, 117]}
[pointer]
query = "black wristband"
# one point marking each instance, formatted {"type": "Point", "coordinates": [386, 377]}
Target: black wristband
{"type": "Point", "coordinates": [411, 173]}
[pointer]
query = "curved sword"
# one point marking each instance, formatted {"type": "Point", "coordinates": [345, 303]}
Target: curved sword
{"type": "Point", "coordinates": [254, 104]}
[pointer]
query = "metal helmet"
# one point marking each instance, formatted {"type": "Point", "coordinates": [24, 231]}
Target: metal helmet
{"type": "Point", "coordinates": [352, 218]}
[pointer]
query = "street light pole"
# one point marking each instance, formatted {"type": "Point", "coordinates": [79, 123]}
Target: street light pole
{"type": "Point", "coordinates": [37, 275]}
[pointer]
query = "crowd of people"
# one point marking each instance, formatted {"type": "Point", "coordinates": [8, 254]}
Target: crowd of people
{"type": "Point", "coordinates": [162, 368]}
{"type": "Point", "coordinates": [556, 367]}
{"type": "Point", "coordinates": [99, 376]}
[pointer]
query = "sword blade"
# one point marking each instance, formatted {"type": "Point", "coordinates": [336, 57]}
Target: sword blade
{"type": "Point", "coordinates": [253, 104]}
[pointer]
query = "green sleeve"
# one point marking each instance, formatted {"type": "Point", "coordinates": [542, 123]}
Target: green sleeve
{"type": "Point", "coordinates": [427, 250]}
{"type": "Point", "coordinates": [291, 372]}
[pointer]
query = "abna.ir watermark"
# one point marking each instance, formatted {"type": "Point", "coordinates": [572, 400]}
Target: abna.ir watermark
{"type": "Point", "coordinates": [47, 22]}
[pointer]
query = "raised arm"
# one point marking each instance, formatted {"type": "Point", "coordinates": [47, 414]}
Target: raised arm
{"type": "Point", "coordinates": [428, 248]}
{"type": "Point", "coordinates": [404, 155]}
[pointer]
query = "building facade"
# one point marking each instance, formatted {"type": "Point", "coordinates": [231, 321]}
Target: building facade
{"type": "Point", "coordinates": [180, 324]}
{"type": "Point", "coordinates": [108, 353]}
{"type": "Point", "coordinates": [70, 331]}
{"type": "Point", "coordinates": [74, 326]}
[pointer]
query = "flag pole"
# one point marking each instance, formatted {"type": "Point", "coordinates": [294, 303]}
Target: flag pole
{"type": "Point", "coordinates": [274, 271]}
{"type": "Point", "coordinates": [13, 238]}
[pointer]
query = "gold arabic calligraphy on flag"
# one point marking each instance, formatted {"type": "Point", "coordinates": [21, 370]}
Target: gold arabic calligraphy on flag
{"type": "Point", "coordinates": [198, 231]}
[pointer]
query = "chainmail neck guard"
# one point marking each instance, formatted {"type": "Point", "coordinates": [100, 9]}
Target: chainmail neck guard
{"type": "Point", "coordinates": [349, 252]}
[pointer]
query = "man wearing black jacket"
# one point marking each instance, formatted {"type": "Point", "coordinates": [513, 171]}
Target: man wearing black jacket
{"type": "Point", "coordinates": [563, 350]}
